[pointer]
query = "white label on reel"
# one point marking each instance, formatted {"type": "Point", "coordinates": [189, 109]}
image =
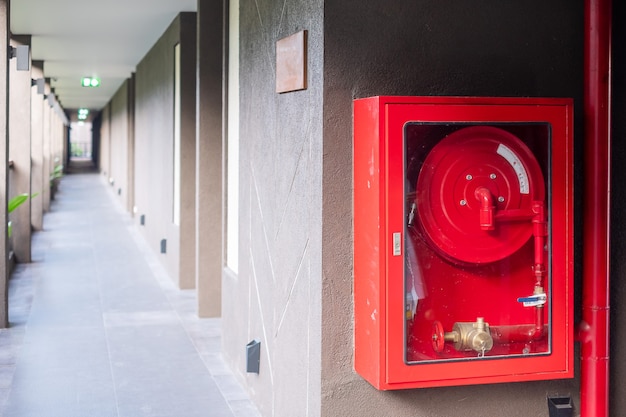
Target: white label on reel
{"type": "Point", "coordinates": [516, 164]}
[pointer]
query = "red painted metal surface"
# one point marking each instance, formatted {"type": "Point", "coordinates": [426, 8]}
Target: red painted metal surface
{"type": "Point", "coordinates": [594, 330]}
{"type": "Point", "coordinates": [453, 223]}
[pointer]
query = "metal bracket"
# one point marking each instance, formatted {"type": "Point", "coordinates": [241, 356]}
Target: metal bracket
{"type": "Point", "coordinates": [253, 356]}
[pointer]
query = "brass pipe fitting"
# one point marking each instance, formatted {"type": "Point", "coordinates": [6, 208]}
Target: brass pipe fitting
{"type": "Point", "coordinates": [469, 336]}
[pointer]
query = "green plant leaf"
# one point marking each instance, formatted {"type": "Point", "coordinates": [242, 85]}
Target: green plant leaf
{"type": "Point", "coordinates": [57, 172]}
{"type": "Point", "coordinates": [17, 201]}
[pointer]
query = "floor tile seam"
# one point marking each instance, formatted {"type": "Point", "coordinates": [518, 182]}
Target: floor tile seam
{"type": "Point", "coordinates": [17, 343]}
{"type": "Point", "coordinates": [98, 267]}
{"type": "Point", "coordinates": [9, 389]}
{"type": "Point", "coordinates": [123, 223]}
{"type": "Point", "coordinates": [157, 264]}
{"type": "Point", "coordinates": [31, 331]}
{"type": "Point", "coordinates": [31, 287]}
{"type": "Point", "coordinates": [154, 264]}
{"type": "Point", "coordinates": [151, 264]}
{"type": "Point", "coordinates": [109, 354]}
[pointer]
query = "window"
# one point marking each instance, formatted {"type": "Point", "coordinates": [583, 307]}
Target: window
{"type": "Point", "coordinates": [176, 153]}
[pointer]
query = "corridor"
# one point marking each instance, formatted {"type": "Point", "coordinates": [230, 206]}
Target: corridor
{"type": "Point", "coordinates": [97, 329]}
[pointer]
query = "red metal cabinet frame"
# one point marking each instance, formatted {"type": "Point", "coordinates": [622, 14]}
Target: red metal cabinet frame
{"type": "Point", "coordinates": [462, 240]}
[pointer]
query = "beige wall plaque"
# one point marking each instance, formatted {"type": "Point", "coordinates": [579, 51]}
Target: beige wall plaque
{"type": "Point", "coordinates": [291, 63]}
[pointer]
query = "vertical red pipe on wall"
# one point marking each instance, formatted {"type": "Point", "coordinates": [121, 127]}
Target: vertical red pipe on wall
{"type": "Point", "coordinates": [594, 331]}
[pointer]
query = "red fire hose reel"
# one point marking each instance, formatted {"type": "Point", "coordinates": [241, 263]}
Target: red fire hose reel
{"type": "Point", "coordinates": [475, 195]}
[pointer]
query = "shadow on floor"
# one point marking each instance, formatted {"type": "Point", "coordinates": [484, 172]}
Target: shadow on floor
{"type": "Point", "coordinates": [80, 166]}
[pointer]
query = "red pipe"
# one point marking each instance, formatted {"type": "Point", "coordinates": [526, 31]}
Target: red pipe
{"type": "Point", "coordinates": [519, 333]}
{"type": "Point", "coordinates": [594, 329]}
{"type": "Point", "coordinates": [540, 232]}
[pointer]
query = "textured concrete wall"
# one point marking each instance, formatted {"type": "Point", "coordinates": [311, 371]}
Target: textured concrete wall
{"type": "Point", "coordinates": [19, 153]}
{"type": "Point", "coordinates": [489, 48]}
{"type": "Point", "coordinates": [154, 144]}
{"type": "Point", "coordinates": [275, 298]}
{"type": "Point", "coordinates": [119, 144]}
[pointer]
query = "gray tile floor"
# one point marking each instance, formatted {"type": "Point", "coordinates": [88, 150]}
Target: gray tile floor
{"type": "Point", "coordinates": [99, 330]}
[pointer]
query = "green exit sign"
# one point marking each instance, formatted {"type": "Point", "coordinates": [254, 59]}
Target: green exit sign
{"type": "Point", "coordinates": [90, 82]}
{"type": "Point", "coordinates": [82, 114]}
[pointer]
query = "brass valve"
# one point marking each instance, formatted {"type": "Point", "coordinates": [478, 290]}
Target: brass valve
{"type": "Point", "coordinates": [470, 336]}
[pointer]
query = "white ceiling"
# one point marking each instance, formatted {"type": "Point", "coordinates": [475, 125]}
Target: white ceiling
{"type": "Point", "coordinates": [80, 38]}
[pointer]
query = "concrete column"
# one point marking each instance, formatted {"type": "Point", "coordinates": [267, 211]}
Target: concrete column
{"type": "Point", "coordinates": [209, 137]}
{"type": "Point", "coordinates": [131, 145]}
{"type": "Point", "coordinates": [53, 160]}
{"type": "Point", "coordinates": [62, 137]}
{"type": "Point", "coordinates": [36, 149]}
{"type": "Point", "coordinates": [57, 139]}
{"type": "Point", "coordinates": [4, 152]}
{"type": "Point", "coordinates": [188, 52]}
{"type": "Point", "coordinates": [45, 193]}
{"type": "Point", "coordinates": [105, 143]}
{"type": "Point", "coordinates": [19, 153]}
{"type": "Point", "coordinates": [66, 145]}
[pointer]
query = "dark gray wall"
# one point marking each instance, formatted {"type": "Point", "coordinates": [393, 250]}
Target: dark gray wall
{"type": "Point", "coordinates": [429, 47]}
{"type": "Point", "coordinates": [275, 297]}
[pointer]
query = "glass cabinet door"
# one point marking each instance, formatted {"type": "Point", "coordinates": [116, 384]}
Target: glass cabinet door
{"type": "Point", "coordinates": [477, 240]}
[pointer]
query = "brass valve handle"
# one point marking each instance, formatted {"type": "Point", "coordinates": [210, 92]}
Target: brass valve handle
{"type": "Point", "coordinates": [466, 336]}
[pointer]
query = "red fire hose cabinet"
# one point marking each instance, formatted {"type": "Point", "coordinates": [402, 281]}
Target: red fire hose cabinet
{"type": "Point", "coordinates": [462, 240]}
